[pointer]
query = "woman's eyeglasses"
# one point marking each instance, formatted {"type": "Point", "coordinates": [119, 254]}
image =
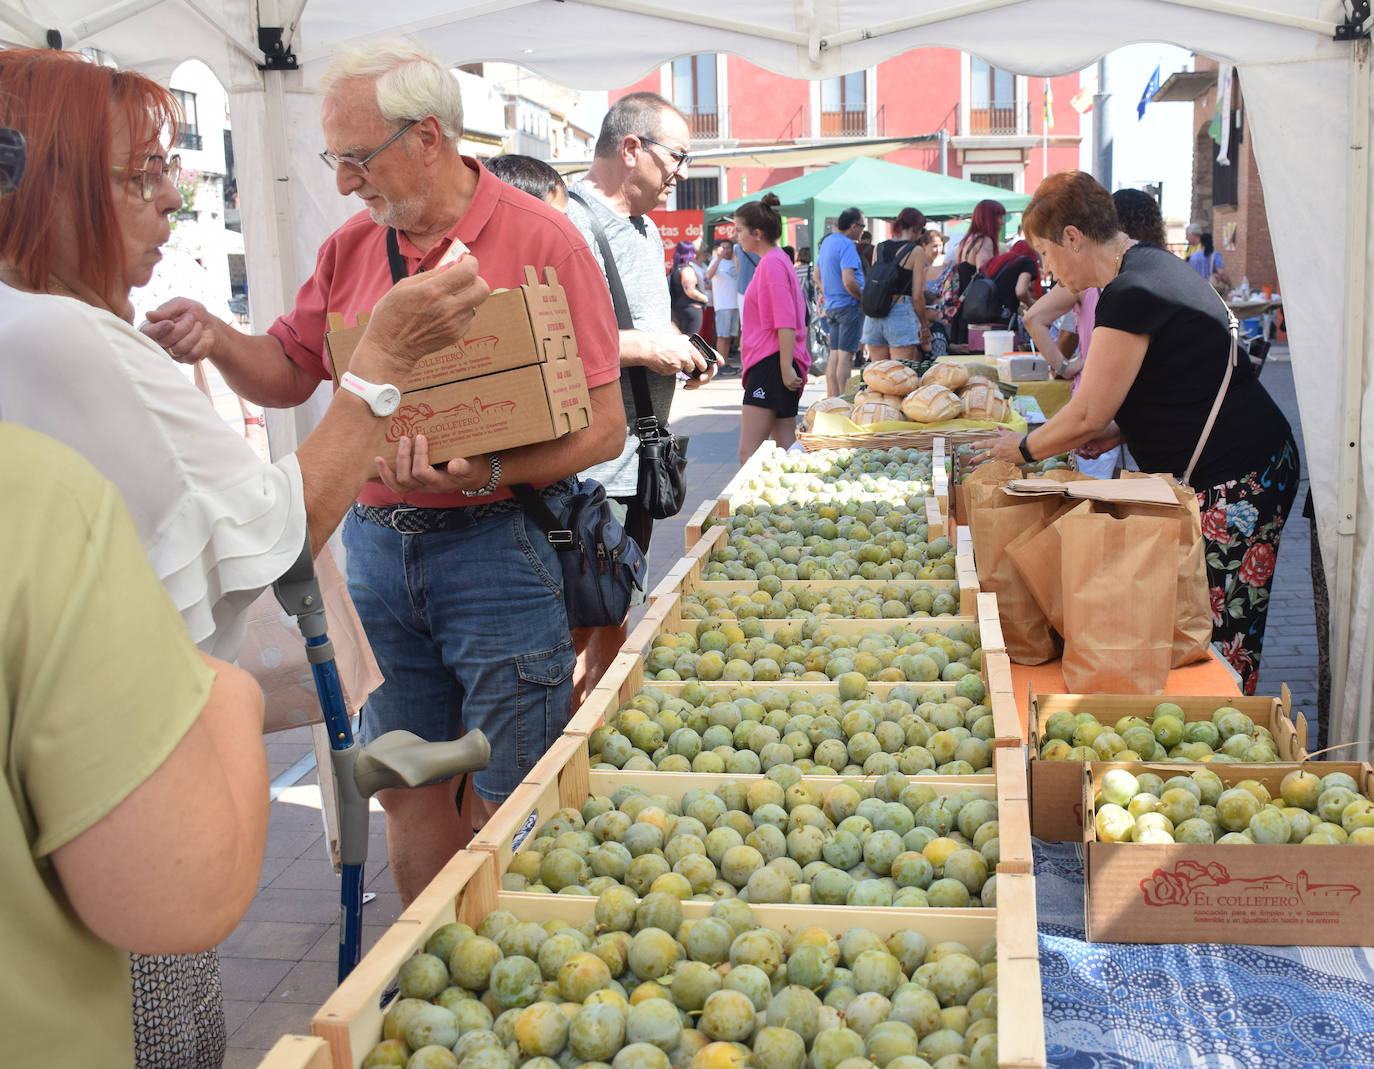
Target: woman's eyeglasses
{"type": "Point", "coordinates": [151, 174]}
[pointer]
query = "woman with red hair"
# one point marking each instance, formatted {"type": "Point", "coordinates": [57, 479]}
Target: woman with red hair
{"type": "Point", "coordinates": [979, 245]}
{"type": "Point", "coordinates": [218, 525]}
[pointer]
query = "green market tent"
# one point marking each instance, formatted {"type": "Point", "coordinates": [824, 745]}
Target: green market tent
{"type": "Point", "coordinates": [879, 189]}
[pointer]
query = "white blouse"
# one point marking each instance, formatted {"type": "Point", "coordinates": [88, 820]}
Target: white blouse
{"type": "Point", "coordinates": [219, 525]}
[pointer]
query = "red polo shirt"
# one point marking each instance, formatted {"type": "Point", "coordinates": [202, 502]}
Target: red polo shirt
{"type": "Point", "coordinates": [505, 229]}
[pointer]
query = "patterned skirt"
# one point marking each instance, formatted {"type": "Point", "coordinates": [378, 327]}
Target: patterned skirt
{"type": "Point", "coordinates": [178, 1011]}
{"type": "Point", "coordinates": [1241, 523]}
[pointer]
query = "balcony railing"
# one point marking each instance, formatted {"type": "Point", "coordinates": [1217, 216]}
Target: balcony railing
{"type": "Point", "coordinates": [188, 140]}
{"type": "Point", "coordinates": [705, 125]}
{"type": "Point", "coordinates": [1000, 118]}
{"type": "Point", "coordinates": [844, 123]}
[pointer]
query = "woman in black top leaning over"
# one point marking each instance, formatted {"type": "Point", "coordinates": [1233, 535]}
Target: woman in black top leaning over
{"type": "Point", "coordinates": [1158, 356]}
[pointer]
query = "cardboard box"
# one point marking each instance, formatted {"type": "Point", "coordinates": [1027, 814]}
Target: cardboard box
{"type": "Point", "coordinates": [1056, 786]}
{"type": "Point", "coordinates": [515, 379]}
{"type": "Point", "coordinates": [512, 328]}
{"type": "Point", "coordinates": [1289, 895]}
{"type": "Point", "coordinates": [1022, 367]}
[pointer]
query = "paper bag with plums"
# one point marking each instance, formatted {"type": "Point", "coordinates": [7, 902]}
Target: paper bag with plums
{"type": "Point", "coordinates": [1118, 615]}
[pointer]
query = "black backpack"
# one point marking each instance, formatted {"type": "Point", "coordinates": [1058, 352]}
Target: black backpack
{"type": "Point", "coordinates": [981, 301]}
{"type": "Point", "coordinates": [880, 287]}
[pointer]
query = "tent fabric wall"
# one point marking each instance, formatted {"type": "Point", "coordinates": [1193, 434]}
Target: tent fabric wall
{"type": "Point", "coordinates": [1299, 86]}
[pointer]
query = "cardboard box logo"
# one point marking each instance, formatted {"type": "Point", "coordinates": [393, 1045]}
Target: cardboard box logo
{"type": "Point", "coordinates": [1190, 883]}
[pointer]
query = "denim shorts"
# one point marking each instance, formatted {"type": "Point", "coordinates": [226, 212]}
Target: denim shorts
{"type": "Point", "coordinates": [469, 630]}
{"type": "Point", "coordinates": [727, 322]}
{"type": "Point", "coordinates": [846, 325]}
{"type": "Point", "coordinates": [898, 327]}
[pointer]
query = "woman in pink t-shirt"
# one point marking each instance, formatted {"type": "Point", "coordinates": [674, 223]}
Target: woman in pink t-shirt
{"type": "Point", "coordinates": [773, 350]}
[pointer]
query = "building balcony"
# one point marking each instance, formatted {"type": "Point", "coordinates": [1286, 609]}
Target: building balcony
{"type": "Point", "coordinates": [705, 125]}
{"type": "Point", "coordinates": [1009, 118]}
{"type": "Point", "coordinates": [188, 140]}
{"type": "Point", "coordinates": [847, 123]}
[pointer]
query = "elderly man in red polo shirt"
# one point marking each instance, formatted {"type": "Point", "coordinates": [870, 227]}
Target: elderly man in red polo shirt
{"type": "Point", "coordinates": [459, 592]}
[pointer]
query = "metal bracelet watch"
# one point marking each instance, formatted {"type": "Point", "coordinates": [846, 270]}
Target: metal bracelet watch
{"type": "Point", "coordinates": [382, 397]}
{"type": "Point", "coordinates": [492, 483]}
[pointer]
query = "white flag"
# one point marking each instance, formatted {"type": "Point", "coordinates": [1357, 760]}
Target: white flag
{"type": "Point", "coordinates": [1225, 72]}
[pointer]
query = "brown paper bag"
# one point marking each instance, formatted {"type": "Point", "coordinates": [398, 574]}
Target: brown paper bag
{"type": "Point", "coordinates": [1037, 553]}
{"type": "Point", "coordinates": [995, 519]}
{"type": "Point", "coordinates": [274, 654]}
{"type": "Point", "coordinates": [1193, 614]}
{"type": "Point", "coordinates": [1118, 616]}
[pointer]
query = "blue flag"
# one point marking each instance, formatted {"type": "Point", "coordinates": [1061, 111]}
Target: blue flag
{"type": "Point", "coordinates": [1150, 90]}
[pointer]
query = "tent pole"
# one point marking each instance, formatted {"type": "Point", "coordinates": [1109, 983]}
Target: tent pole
{"type": "Point", "coordinates": [1346, 703]}
{"type": "Point", "coordinates": [35, 32]}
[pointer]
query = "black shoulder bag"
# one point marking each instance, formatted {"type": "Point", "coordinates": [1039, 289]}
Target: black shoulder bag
{"type": "Point", "coordinates": [662, 488]}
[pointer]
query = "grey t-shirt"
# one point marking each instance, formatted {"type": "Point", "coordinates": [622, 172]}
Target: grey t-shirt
{"type": "Point", "coordinates": [638, 250]}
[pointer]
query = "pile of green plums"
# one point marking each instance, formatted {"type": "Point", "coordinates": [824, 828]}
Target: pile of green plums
{"type": "Point", "coordinates": [900, 843]}
{"type": "Point", "coordinates": [1200, 808]}
{"type": "Point", "coordinates": [1165, 735]}
{"type": "Point", "coordinates": [640, 988]}
{"type": "Point", "coordinates": [773, 601]}
{"type": "Point", "coordinates": [850, 732]}
{"type": "Point", "coordinates": [720, 647]}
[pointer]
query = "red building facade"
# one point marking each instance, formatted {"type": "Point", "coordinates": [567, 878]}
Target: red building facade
{"type": "Point", "coordinates": [986, 125]}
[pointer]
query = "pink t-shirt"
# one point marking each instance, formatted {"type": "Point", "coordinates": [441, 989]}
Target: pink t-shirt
{"type": "Point", "coordinates": [505, 229]}
{"type": "Point", "coordinates": [773, 301]}
{"type": "Point", "coordinates": [1087, 316]}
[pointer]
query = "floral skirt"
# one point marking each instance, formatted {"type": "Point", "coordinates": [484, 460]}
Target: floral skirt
{"type": "Point", "coordinates": [1241, 523]}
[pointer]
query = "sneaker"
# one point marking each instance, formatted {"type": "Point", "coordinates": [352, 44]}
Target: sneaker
{"type": "Point", "coordinates": [727, 371]}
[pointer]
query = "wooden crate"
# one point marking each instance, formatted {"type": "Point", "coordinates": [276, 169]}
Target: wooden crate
{"type": "Point", "coordinates": [712, 507]}
{"type": "Point", "coordinates": [605, 700]}
{"type": "Point", "coordinates": [565, 778]}
{"type": "Point", "coordinates": [666, 613]}
{"type": "Point", "coordinates": [1056, 786]}
{"type": "Point", "coordinates": [298, 1052]}
{"type": "Point", "coordinates": [693, 559]}
{"type": "Point", "coordinates": [468, 889]}
{"type": "Point", "coordinates": [889, 439]}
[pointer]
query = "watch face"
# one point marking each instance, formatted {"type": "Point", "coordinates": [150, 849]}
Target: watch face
{"type": "Point", "coordinates": [388, 400]}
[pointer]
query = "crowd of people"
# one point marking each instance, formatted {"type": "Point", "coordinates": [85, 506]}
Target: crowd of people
{"type": "Point", "coordinates": [138, 804]}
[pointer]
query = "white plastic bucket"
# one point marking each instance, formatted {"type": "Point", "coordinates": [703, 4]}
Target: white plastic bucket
{"type": "Point", "coordinates": [997, 343]}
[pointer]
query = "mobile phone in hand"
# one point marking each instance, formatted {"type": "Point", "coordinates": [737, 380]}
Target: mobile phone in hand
{"type": "Point", "coordinates": [708, 354]}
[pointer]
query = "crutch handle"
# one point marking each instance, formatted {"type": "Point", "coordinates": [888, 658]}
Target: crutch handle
{"type": "Point", "coordinates": [403, 759]}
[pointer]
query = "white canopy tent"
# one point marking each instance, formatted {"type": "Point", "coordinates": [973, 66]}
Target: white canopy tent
{"type": "Point", "coordinates": [1307, 92]}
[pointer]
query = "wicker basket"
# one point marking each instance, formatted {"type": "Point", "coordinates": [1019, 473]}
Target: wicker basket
{"type": "Point", "coordinates": [889, 439]}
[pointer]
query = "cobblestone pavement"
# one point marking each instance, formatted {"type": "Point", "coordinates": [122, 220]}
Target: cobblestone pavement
{"type": "Point", "coordinates": [279, 964]}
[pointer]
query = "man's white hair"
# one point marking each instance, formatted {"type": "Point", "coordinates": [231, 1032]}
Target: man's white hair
{"type": "Point", "coordinates": [411, 82]}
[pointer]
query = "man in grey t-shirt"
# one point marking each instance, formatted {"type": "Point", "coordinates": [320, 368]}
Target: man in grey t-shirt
{"type": "Point", "coordinates": [640, 151]}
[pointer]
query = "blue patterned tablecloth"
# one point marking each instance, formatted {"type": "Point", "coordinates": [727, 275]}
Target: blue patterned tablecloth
{"type": "Point", "coordinates": [1115, 1005]}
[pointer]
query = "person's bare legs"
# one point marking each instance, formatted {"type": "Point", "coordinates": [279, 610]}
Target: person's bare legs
{"type": "Point", "coordinates": [755, 425]}
{"type": "Point", "coordinates": [837, 372]}
{"type": "Point", "coordinates": [423, 830]}
{"type": "Point", "coordinates": [880, 352]}
{"type": "Point", "coordinates": [784, 431]}
{"type": "Point", "coordinates": [596, 648]}
{"type": "Point", "coordinates": [896, 352]}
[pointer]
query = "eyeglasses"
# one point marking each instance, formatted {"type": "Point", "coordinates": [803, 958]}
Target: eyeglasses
{"type": "Point", "coordinates": [360, 165]}
{"type": "Point", "coordinates": [680, 159]}
{"type": "Point", "coordinates": [13, 155]}
{"type": "Point", "coordinates": [151, 174]}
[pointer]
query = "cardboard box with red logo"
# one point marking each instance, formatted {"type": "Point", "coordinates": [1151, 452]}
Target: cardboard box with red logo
{"type": "Point", "coordinates": [513, 380]}
{"type": "Point", "coordinates": [1056, 787]}
{"type": "Point", "coordinates": [1273, 895]}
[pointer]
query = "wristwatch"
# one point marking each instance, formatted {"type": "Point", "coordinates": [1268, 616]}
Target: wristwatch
{"type": "Point", "coordinates": [492, 483]}
{"type": "Point", "coordinates": [382, 397]}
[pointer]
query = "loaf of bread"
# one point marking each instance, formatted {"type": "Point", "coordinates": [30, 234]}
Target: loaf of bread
{"type": "Point", "coordinates": [875, 412]}
{"type": "Point", "coordinates": [975, 380]}
{"type": "Point", "coordinates": [891, 377]}
{"type": "Point", "coordinates": [951, 376]}
{"type": "Point", "coordinates": [867, 394]}
{"type": "Point", "coordinates": [932, 404]}
{"type": "Point", "coordinates": [825, 404]}
{"type": "Point", "coordinates": [985, 401]}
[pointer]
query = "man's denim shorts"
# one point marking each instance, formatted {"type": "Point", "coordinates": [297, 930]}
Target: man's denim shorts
{"type": "Point", "coordinates": [469, 630]}
{"type": "Point", "coordinates": [846, 327]}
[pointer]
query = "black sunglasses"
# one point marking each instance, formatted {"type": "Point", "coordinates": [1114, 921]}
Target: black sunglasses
{"type": "Point", "coordinates": [13, 156]}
